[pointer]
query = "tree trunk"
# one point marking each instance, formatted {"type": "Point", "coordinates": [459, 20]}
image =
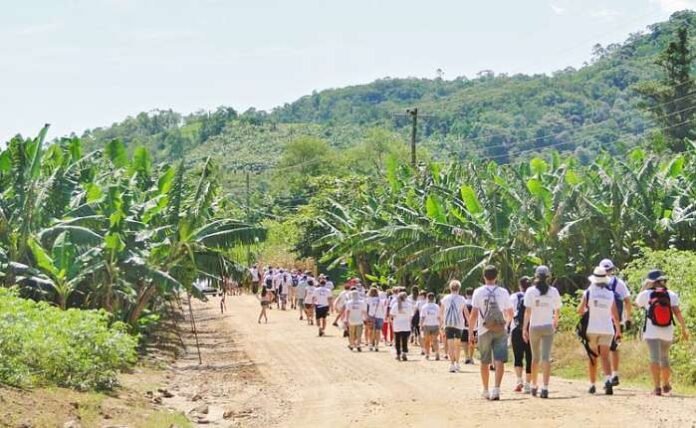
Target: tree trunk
{"type": "Point", "coordinates": [146, 293]}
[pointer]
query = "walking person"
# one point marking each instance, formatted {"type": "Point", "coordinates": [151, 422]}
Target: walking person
{"type": "Point", "coordinates": [301, 293]}
{"type": "Point", "coordinates": [543, 303]}
{"type": "Point", "coordinates": [491, 313]}
{"type": "Point", "coordinates": [292, 290]}
{"type": "Point", "coordinates": [454, 310]}
{"type": "Point", "coordinates": [309, 301]}
{"type": "Point", "coordinates": [521, 349]}
{"type": "Point", "coordinates": [469, 346]}
{"type": "Point", "coordinates": [255, 279]}
{"type": "Point", "coordinates": [265, 303]}
{"type": "Point", "coordinates": [356, 314]}
{"type": "Point", "coordinates": [601, 326]}
{"type": "Point", "coordinates": [661, 307]}
{"type": "Point", "coordinates": [320, 299]}
{"type": "Point", "coordinates": [622, 299]}
{"type": "Point", "coordinates": [376, 313]}
{"type": "Point", "coordinates": [401, 312]}
{"type": "Point", "coordinates": [388, 327]}
{"type": "Point", "coordinates": [430, 322]}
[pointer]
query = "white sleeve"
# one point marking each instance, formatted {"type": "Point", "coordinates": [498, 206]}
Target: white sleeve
{"type": "Point", "coordinates": [673, 298]}
{"type": "Point", "coordinates": [643, 298]}
{"type": "Point", "coordinates": [506, 299]}
{"type": "Point", "coordinates": [558, 303]}
{"type": "Point", "coordinates": [476, 300]}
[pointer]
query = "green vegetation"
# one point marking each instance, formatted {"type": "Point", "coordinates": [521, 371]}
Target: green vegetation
{"type": "Point", "coordinates": [43, 345]}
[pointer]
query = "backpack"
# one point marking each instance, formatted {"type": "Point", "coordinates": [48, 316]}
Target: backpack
{"type": "Point", "coordinates": [617, 298]}
{"type": "Point", "coordinates": [659, 309]}
{"type": "Point", "coordinates": [295, 281]}
{"type": "Point", "coordinates": [269, 282]}
{"type": "Point", "coordinates": [519, 316]}
{"type": "Point", "coordinates": [493, 320]}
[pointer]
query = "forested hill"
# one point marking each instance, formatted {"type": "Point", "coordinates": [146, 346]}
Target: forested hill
{"type": "Point", "coordinates": [496, 116]}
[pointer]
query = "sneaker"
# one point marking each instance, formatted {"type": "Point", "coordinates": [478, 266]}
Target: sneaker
{"type": "Point", "coordinates": [398, 358]}
{"type": "Point", "coordinates": [469, 361]}
{"type": "Point", "coordinates": [544, 393]}
{"type": "Point", "coordinates": [376, 349]}
{"type": "Point", "coordinates": [456, 367]}
{"type": "Point", "coordinates": [403, 357]}
{"type": "Point", "coordinates": [495, 395]}
{"type": "Point", "coordinates": [422, 352]}
{"type": "Point", "coordinates": [667, 390]}
{"type": "Point", "coordinates": [486, 395]}
{"type": "Point", "coordinates": [437, 357]}
{"type": "Point", "coordinates": [527, 388]}
{"type": "Point", "coordinates": [592, 390]}
{"type": "Point", "coordinates": [608, 388]}
{"type": "Point", "coordinates": [452, 369]}
{"type": "Point", "coordinates": [519, 387]}
{"type": "Point", "coordinates": [335, 324]}
{"type": "Point", "coordinates": [350, 347]}
{"type": "Point", "coordinates": [657, 392]}
{"type": "Point", "coordinates": [427, 358]}
{"type": "Point", "coordinates": [534, 391]}
{"type": "Point", "coordinates": [615, 381]}
{"type": "Point", "coordinates": [359, 349]}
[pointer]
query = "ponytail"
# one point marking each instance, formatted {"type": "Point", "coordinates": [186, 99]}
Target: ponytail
{"type": "Point", "coordinates": [400, 300]}
{"type": "Point", "coordinates": [542, 284]}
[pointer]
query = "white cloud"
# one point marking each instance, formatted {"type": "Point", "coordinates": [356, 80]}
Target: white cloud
{"type": "Point", "coordinates": [35, 29]}
{"type": "Point", "coordinates": [557, 9]}
{"type": "Point", "coordinates": [675, 5]}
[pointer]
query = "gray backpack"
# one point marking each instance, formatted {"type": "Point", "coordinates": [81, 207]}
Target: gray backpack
{"type": "Point", "coordinates": [493, 320]}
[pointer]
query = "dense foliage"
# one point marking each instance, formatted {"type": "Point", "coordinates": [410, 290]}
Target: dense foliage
{"type": "Point", "coordinates": [43, 345]}
{"type": "Point", "coordinates": [449, 220]}
{"type": "Point", "coordinates": [105, 230]}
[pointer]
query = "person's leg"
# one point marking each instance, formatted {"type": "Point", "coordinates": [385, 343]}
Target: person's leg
{"type": "Point", "coordinates": [665, 368]}
{"type": "Point", "coordinates": [485, 350]}
{"type": "Point", "coordinates": [546, 345]}
{"type": "Point", "coordinates": [435, 344]}
{"type": "Point", "coordinates": [358, 336]}
{"type": "Point", "coordinates": [615, 363]}
{"type": "Point", "coordinates": [457, 346]}
{"type": "Point", "coordinates": [654, 352]}
{"type": "Point", "coordinates": [500, 356]}
{"type": "Point", "coordinates": [518, 355]}
{"type": "Point", "coordinates": [351, 336]}
{"type": "Point", "coordinates": [535, 344]}
{"type": "Point", "coordinates": [397, 344]}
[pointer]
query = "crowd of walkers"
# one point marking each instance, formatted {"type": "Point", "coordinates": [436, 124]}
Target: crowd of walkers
{"type": "Point", "coordinates": [489, 318]}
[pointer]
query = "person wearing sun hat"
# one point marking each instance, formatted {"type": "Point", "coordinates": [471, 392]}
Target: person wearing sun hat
{"type": "Point", "coordinates": [661, 308]}
{"type": "Point", "coordinates": [602, 325]}
{"type": "Point", "coordinates": [622, 298]}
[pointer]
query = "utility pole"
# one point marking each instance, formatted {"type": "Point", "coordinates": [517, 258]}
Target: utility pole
{"type": "Point", "coordinates": [414, 124]}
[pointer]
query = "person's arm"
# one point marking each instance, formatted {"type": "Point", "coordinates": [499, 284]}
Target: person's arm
{"type": "Point", "coordinates": [582, 307]}
{"type": "Point", "coordinates": [616, 320]}
{"type": "Point", "coordinates": [473, 319]}
{"type": "Point", "coordinates": [680, 317]}
{"type": "Point", "coordinates": [556, 317]}
{"type": "Point", "coordinates": [466, 313]}
{"type": "Point", "coordinates": [525, 324]}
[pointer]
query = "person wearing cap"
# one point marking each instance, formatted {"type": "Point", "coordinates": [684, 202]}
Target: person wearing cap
{"type": "Point", "coordinates": [622, 298]}
{"type": "Point", "coordinates": [356, 314]}
{"type": "Point", "coordinates": [602, 326]}
{"type": "Point", "coordinates": [542, 304]}
{"type": "Point", "coordinates": [661, 307]}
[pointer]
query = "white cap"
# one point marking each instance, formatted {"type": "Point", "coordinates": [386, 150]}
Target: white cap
{"type": "Point", "coordinates": [542, 271]}
{"type": "Point", "coordinates": [607, 264]}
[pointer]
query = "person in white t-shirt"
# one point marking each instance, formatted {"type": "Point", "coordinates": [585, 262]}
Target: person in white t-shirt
{"type": "Point", "coordinates": [491, 313]}
{"type": "Point", "coordinates": [255, 279]}
{"type": "Point", "coordinates": [602, 326]}
{"type": "Point", "coordinates": [454, 312]}
{"type": "Point", "coordinates": [300, 293]}
{"type": "Point", "coordinates": [430, 322]}
{"type": "Point", "coordinates": [356, 314]}
{"type": "Point", "coordinates": [309, 301]}
{"type": "Point", "coordinates": [622, 298]}
{"type": "Point", "coordinates": [376, 313]}
{"type": "Point", "coordinates": [469, 347]}
{"type": "Point", "coordinates": [661, 308]}
{"type": "Point", "coordinates": [321, 299]}
{"type": "Point", "coordinates": [339, 304]}
{"type": "Point", "coordinates": [401, 312]}
{"type": "Point", "coordinates": [542, 302]}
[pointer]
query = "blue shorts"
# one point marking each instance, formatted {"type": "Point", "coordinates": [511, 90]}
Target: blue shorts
{"type": "Point", "coordinates": [377, 323]}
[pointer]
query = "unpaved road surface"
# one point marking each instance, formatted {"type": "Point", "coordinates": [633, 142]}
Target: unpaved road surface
{"type": "Point", "coordinates": [311, 381]}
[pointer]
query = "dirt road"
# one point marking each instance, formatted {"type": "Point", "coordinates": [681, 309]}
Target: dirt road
{"type": "Point", "coordinates": [319, 382]}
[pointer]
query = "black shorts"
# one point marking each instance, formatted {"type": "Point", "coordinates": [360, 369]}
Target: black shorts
{"type": "Point", "coordinates": [465, 335]}
{"type": "Point", "coordinates": [321, 311]}
{"type": "Point", "coordinates": [453, 333]}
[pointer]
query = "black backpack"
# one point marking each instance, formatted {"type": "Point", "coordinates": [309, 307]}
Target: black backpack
{"type": "Point", "coordinates": [519, 316]}
{"type": "Point", "coordinates": [269, 282]}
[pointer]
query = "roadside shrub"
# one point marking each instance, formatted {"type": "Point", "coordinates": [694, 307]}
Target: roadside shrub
{"type": "Point", "coordinates": [569, 317]}
{"type": "Point", "coordinates": [44, 345]}
{"type": "Point", "coordinates": [680, 267]}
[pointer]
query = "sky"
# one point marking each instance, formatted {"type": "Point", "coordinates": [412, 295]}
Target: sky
{"type": "Point", "coordinates": [80, 64]}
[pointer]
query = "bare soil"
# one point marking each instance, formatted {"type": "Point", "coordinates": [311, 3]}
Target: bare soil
{"type": "Point", "coordinates": [282, 374]}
